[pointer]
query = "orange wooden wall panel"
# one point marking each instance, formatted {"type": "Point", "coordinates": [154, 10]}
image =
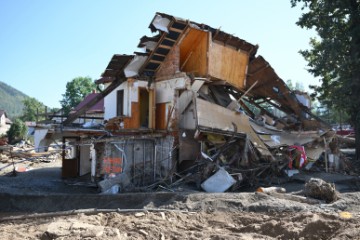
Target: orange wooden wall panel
{"type": "Point", "coordinates": [193, 52]}
{"type": "Point", "coordinates": [134, 121]}
{"type": "Point", "coordinates": [161, 116]}
{"type": "Point", "coordinates": [228, 64]}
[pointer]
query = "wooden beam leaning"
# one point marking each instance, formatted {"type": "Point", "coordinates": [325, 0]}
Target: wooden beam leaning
{"type": "Point", "coordinates": [93, 101]}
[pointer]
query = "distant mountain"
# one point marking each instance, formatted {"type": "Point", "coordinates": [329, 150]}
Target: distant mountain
{"type": "Point", "coordinates": [11, 100]}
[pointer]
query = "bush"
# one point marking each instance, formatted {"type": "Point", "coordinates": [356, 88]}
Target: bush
{"type": "Point", "coordinates": [17, 131]}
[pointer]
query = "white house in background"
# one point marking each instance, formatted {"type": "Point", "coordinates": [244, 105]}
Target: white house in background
{"type": "Point", "coordinates": [5, 122]}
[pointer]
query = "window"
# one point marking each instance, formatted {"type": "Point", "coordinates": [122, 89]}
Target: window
{"type": "Point", "coordinates": [120, 103]}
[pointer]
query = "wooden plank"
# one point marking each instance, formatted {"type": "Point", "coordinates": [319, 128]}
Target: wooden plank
{"type": "Point", "coordinates": [158, 54]}
{"type": "Point", "coordinates": [228, 64]}
{"type": "Point", "coordinates": [169, 39]}
{"type": "Point", "coordinates": [152, 108]}
{"type": "Point", "coordinates": [165, 46]}
{"type": "Point", "coordinates": [155, 61]}
{"type": "Point", "coordinates": [175, 30]}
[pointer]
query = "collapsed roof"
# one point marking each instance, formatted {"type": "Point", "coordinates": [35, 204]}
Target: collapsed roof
{"type": "Point", "coordinates": [256, 74]}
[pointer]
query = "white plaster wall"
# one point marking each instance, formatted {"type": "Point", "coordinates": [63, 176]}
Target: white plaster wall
{"type": "Point", "coordinates": [2, 120]}
{"type": "Point", "coordinates": [165, 90]}
{"type": "Point", "coordinates": [4, 128]}
{"type": "Point", "coordinates": [110, 101]}
{"type": "Point", "coordinates": [135, 88]}
{"type": "Point", "coordinates": [130, 93]}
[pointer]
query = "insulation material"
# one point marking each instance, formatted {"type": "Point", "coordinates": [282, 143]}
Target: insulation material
{"type": "Point", "coordinates": [161, 23]}
{"type": "Point", "coordinates": [136, 63]}
{"type": "Point", "coordinates": [219, 182]}
{"type": "Point", "coordinates": [150, 45]}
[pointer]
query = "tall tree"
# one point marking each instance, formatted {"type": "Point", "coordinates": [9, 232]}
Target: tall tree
{"type": "Point", "coordinates": [334, 56]}
{"type": "Point", "coordinates": [75, 92]}
{"type": "Point", "coordinates": [31, 108]}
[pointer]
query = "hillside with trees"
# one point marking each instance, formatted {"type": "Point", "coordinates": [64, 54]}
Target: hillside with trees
{"type": "Point", "coordinates": [11, 100]}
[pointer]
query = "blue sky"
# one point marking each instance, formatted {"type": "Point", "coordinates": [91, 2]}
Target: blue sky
{"type": "Point", "coordinates": [44, 44]}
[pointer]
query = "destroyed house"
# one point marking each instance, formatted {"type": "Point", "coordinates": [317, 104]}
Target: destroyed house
{"type": "Point", "coordinates": [193, 100]}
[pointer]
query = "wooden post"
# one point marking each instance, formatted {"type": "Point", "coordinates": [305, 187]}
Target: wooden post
{"type": "Point", "coordinates": [247, 91]}
{"type": "Point", "coordinates": [325, 156]}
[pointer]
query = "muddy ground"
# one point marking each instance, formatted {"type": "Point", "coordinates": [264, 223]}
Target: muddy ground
{"type": "Point", "coordinates": [166, 215]}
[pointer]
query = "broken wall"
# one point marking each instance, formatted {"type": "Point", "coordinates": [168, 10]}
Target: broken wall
{"type": "Point", "coordinates": [131, 99]}
{"type": "Point", "coordinates": [167, 92]}
{"type": "Point", "coordinates": [137, 162]}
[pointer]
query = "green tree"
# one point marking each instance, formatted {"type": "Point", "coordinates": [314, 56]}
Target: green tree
{"type": "Point", "coordinates": [75, 92]}
{"type": "Point", "coordinates": [17, 131]}
{"type": "Point", "coordinates": [31, 108]}
{"type": "Point", "coordinates": [334, 56]}
{"type": "Point", "coordinates": [298, 85]}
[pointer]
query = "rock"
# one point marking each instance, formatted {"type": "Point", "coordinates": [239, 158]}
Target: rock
{"type": "Point", "coordinates": [57, 229]}
{"type": "Point", "coordinates": [87, 230]}
{"type": "Point", "coordinates": [139, 214]}
{"type": "Point", "coordinates": [143, 232]}
{"type": "Point", "coordinates": [319, 189]}
{"type": "Point", "coordinates": [162, 236]}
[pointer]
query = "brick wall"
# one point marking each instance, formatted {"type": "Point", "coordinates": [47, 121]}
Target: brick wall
{"type": "Point", "coordinates": [170, 66]}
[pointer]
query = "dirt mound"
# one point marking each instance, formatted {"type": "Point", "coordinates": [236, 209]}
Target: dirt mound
{"type": "Point", "coordinates": [185, 225]}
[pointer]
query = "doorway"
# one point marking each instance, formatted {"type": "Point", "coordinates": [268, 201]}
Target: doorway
{"type": "Point", "coordinates": [144, 107]}
{"type": "Point", "coordinates": [70, 156]}
{"type": "Point", "coordinates": [147, 108]}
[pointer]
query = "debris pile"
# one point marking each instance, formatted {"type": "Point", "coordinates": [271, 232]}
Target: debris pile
{"type": "Point", "coordinates": [319, 189]}
{"type": "Point", "coordinates": [21, 156]}
{"type": "Point", "coordinates": [196, 105]}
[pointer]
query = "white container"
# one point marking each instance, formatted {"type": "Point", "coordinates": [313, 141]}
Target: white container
{"type": "Point", "coordinates": [219, 182]}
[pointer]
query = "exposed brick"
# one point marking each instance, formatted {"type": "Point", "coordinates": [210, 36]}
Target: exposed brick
{"type": "Point", "coordinates": [171, 64]}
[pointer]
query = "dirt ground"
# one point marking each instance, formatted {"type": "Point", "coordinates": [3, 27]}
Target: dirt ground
{"type": "Point", "coordinates": [186, 225]}
{"type": "Point", "coordinates": [164, 215]}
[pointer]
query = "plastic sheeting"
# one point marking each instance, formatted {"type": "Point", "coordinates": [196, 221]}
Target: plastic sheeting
{"type": "Point", "coordinates": [132, 69]}
{"type": "Point", "coordinates": [161, 23]}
